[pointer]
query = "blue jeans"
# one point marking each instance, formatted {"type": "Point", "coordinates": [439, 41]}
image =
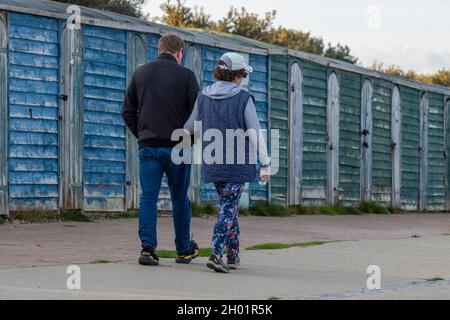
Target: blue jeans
{"type": "Point", "coordinates": [154, 162]}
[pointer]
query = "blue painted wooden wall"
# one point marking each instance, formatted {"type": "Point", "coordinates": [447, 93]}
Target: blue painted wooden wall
{"type": "Point", "coordinates": [33, 112]}
{"type": "Point", "coordinates": [104, 145]}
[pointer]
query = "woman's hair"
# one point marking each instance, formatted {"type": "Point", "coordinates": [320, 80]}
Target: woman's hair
{"type": "Point", "coordinates": [227, 75]}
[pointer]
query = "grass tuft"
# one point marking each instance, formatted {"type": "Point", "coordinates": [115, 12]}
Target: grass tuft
{"type": "Point", "coordinates": [101, 262]}
{"type": "Point", "coordinates": [124, 215]}
{"type": "Point", "coordinates": [279, 246]}
{"type": "Point", "coordinates": [172, 254]}
{"type": "Point", "coordinates": [435, 279]}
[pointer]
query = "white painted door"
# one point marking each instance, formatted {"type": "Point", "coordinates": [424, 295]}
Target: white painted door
{"type": "Point", "coordinates": [295, 134]}
{"type": "Point", "coordinates": [71, 122]}
{"type": "Point", "coordinates": [194, 62]}
{"type": "Point", "coordinates": [423, 149]}
{"type": "Point", "coordinates": [333, 139]}
{"type": "Point", "coordinates": [396, 146]}
{"type": "Point", "coordinates": [136, 58]}
{"type": "Point", "coordinates": [366, 141]}
{"type": "Point", "coordinates": [4, 208]}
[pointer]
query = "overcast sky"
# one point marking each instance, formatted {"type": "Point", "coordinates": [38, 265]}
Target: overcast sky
{"type": "Point", "coordinates": [414, 34]}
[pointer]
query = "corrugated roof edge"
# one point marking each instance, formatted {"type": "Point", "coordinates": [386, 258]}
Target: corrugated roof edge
{"type": "Point", "coordinates": [197, 36]}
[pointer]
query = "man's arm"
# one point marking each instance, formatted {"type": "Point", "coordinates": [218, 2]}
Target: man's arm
{"type": "Point", "coordinates": [130, 112]}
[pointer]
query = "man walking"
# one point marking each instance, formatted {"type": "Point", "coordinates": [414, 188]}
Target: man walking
{"type": "Point", "coordinates": [159, 100]}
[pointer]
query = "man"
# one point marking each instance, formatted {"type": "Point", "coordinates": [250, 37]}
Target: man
{"type": "Point", "coordinates": [159, 100]}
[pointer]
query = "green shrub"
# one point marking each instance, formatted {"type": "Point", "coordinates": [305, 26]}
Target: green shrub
{"type": "Point", "coordinates": [74, 215]}
{"type": "Point", "coordinates": [370, 207]}
{"type": "Point", "coordinates": [36, 216]}
{"type": "Point", "coordinates": [268, 210]}
{"type": "Point", "coordinates": [328, 210]}
{"type": "Point", "coordinates": [201, 211]}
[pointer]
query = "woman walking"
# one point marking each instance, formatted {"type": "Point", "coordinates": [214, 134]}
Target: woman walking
{"type": "Point", "coordinates": [222, 107]}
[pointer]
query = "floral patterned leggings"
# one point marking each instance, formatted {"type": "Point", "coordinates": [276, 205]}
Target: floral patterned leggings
{"type": "Point", "coordinates": [226, 231]}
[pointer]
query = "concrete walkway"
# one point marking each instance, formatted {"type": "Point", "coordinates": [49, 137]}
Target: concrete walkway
{"type": "Point", "coordinates": [409, 249]}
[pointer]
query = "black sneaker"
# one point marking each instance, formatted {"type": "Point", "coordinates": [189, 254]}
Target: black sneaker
{"type": "Point", "coordinates": [215, 263]}
{"type": "Point", "coordinates": [148, 257]}
{"type": "Point", "coordinates": [188, 256]}
{"type": "Point", "coordinates": [233, 263]}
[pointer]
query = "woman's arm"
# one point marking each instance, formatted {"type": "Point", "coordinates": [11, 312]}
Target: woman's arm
{"type": "Point", "coordinates": [252, 122]}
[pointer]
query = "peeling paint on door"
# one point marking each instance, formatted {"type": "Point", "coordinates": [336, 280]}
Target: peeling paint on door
{"type": "Point", "coordinates": [396, 146]}
{"type": "Point", "coordinates": [4, 208]}
{"type": "Point", "coordinates": [366, 141]}
{"type": "Point", "coordinates": [137, 55]}
{"type": "Point", "coordinates": [295, 134]}
{"type": "Point", "coordinates": [332, 139]}
{"type": "Point", "coordinates": [71, 120]}
{"type": "Point", "coordinates": [194, 62]}
{"type": "Point", "coordinates": [33, 112]}
{"type": "Point", "coordinates": [105, 61]}
{"type": "Point", "coordinates": [423, 149]}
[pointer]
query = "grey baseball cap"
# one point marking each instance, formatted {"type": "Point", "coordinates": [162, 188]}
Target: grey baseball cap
{"type": "Point", "coordinates": [235, 62]}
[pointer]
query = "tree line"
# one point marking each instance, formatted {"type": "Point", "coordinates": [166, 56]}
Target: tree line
{"type": "Point", "coordinates": [244, 23]}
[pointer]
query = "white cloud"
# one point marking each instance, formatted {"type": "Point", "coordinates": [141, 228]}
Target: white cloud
{"type": "Point", "coordinates": [407, 58]}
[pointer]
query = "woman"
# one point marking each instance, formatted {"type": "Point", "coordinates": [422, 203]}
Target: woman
{"type": "Point", "coordinates": [221, 107]}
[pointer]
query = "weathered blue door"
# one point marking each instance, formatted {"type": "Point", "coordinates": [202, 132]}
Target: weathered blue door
{"type": "Point", "coordinates": [423, 149]}
{"type": "Point", "coordinates": [366, 141]}
{"type": "Point", "coordinates": [71, 120]}
{"type": "Point", "coordinates": [194, 62]}
{"type": "Point", "coordinates": [136, 57]}
{"type": "Point", "coordinates": [396, 146]}
{"type": "Point", "coordinates": [295, 135]}
{"type": "Point", "coordinates": [332, 139]}
{"type": "Point", "coordinates": [3, 117]}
